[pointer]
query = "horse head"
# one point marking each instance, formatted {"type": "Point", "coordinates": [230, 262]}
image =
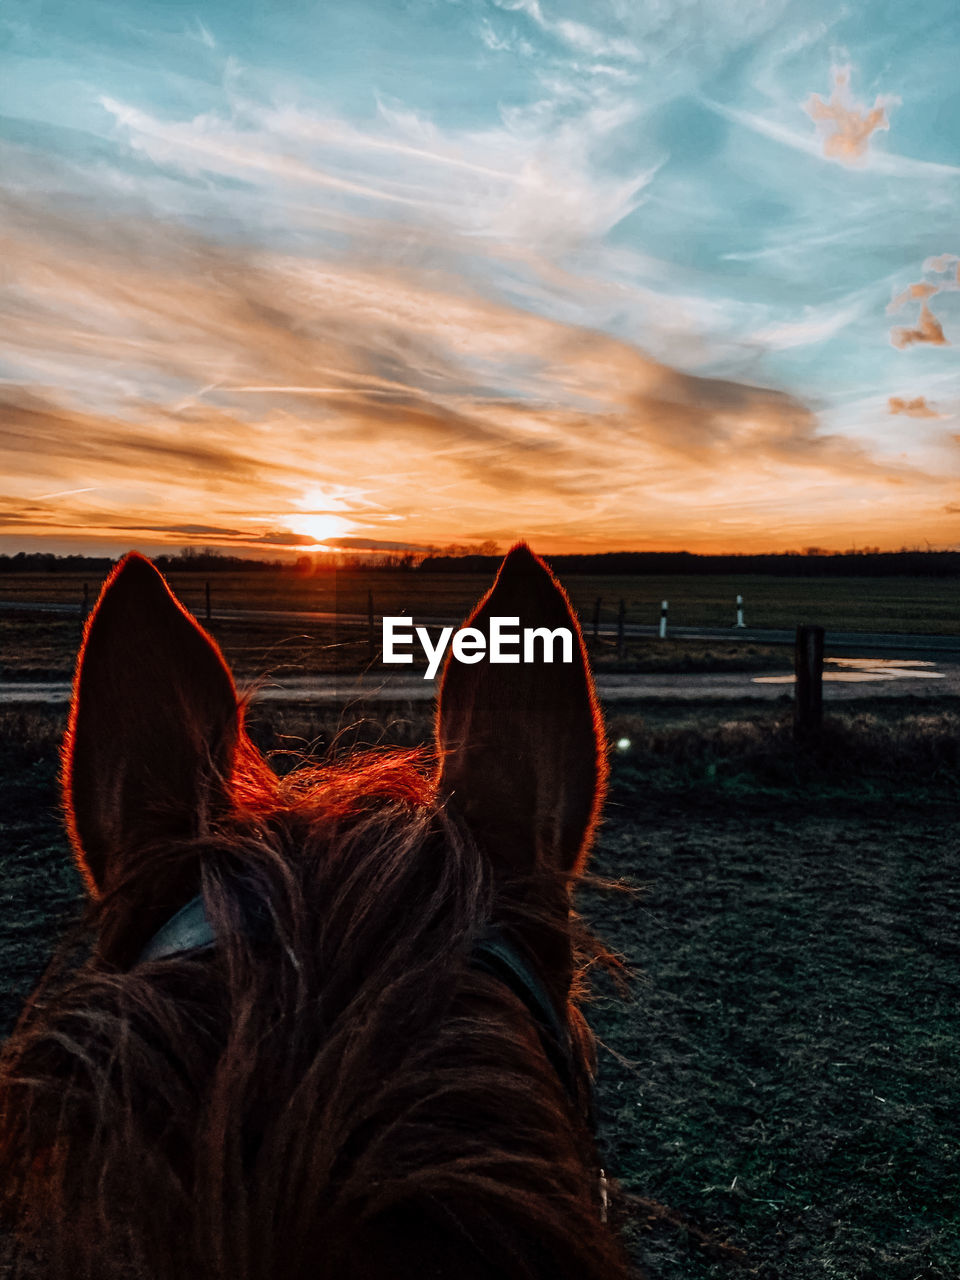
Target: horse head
{"type": "Point", "coordinates": [357, 1048]}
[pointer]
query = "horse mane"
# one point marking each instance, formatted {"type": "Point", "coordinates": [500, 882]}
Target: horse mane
{"type": "Point", "coordinates": [333, 1089]}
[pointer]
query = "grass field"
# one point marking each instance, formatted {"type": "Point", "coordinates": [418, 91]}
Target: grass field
{"type": "Point", "coordinates": [922, 605]}
{"type": "Point", "coordinates": [778, 1094]}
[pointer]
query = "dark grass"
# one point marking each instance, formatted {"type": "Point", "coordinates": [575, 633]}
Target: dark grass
{"type": "Point", "coordinates": [788, 1074]}
{"type": "Point", "coordinates": [707, 753]}
{"type": "Point", "coordinates": [867, 752]}
{"type": "Point", "coordinates": [781, 1088]}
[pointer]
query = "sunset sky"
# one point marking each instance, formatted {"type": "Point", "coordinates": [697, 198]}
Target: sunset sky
{"type": "Point", "coordinates": [606, 275]}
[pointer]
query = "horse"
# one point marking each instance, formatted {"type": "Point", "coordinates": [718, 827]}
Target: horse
{"type": "Point", "coordinates": [326, 1024]}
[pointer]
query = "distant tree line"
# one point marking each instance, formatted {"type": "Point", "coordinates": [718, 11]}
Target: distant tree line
{"type": "Point", "coordinates": [45, 562]}
{"type": "Point", "coordinates": [203, 561]}
{"type": "Point", "coordinates": [812, 563]}
{"type": "Point", "coordinates": [209, 560]}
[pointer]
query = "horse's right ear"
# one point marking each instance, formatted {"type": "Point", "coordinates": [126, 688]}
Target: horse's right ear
{"type": "Point", "coordinates": [521, 744]}
{"type": "Point", "coordinates": [154, 725]}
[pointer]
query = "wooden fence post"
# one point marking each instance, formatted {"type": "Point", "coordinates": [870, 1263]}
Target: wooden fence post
{"type": "Point", "coordinates": [808, 697]}
{"type": "Point", "coordinates": [371, 640]}
{"type": "Point", "coordinates": [663, 619]}
{"type": "Point", "coordinates": [621, 617]}
{"type": "Point", "coordinates": [596, 618]}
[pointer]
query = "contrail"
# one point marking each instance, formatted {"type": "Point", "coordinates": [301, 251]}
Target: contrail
{"type": "Point", "coordinates": [65, 493]}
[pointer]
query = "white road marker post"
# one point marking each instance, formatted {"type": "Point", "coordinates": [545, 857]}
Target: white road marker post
{"type": "Point", "coordinates": [740, 621]}
{"type": "Point", "coordinates": [663, 619]}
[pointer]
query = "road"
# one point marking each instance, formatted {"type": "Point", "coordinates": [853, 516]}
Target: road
{"type": "Point", "coordinates": [867, 679]}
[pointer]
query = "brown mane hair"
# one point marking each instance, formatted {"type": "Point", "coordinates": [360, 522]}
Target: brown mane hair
{"type": "Point", "coordinates": [333, 1088]}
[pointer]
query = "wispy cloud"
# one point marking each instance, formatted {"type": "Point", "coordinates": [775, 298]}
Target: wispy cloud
{"type": "Point", "coordinates": [208, 143]}
{"type": "Point", "coordinates": [578, 36]}
{"type": "Point", "coordinates": [374, 544]}
{"type": "Point", "coordinates": [499, 42]}
{"type": "Point", "coordinates": [529, 183]}
{"type": "Point", "coordinates": [202, 33]}
{"type": "Point", "coordinates": [817, 325]}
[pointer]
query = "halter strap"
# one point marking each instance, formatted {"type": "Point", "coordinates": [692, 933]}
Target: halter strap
{"type": "Point", "coordinates": [190, 930]}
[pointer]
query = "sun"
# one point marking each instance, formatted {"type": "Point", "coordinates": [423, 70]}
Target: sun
{"type": "Point", "coordinates": [320, 525]}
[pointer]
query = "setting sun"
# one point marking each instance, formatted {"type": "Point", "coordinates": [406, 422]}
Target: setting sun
{"type": "Point", "coordinates": [320, 525]}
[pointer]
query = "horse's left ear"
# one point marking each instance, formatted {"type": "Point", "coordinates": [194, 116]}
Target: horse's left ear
{"type": "Point", "coordinates": [153, 729]}
{"type": "Point", "coordinates": [521, 744]}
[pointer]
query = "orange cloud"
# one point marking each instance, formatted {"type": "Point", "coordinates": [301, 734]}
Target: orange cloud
{"type": "Point", "coordinates": [922, 289]}
{"type": "Point", "coordinates": [943, 263]}
{"type": "Point", "coordinates": [845, 126]}
{"type": "Point", "coordinates": [915, 408]}
{"type": "Point", "coordinates": [928, 329]}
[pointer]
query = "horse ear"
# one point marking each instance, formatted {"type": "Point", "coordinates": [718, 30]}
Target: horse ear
{"type": "Point", "coordinates": [153, 727]}
{"type": "Point", "coordinates": [521, 745]}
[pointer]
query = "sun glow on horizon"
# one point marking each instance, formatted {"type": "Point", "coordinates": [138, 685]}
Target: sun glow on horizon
{"type": "Point", "coordinates": [324, 513]}
{"type": "Point", "coordinates": [321, 525]}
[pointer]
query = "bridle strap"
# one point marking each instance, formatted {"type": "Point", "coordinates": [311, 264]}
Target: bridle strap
{"type": "Point", "coordinates": [493, 953]}
{"type": "Point", "coordinates": [189, 930]}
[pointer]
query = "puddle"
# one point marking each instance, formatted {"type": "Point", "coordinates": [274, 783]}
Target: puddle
{"type": "Point", "coordinates": [859, 670]}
